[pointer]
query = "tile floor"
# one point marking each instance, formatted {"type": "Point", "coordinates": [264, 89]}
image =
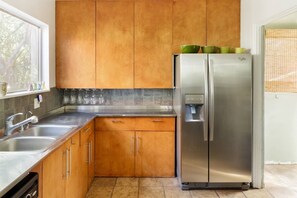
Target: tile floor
{"type": "Point", "coordinates": [280, 182]}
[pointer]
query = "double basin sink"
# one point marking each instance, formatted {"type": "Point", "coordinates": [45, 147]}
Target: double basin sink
{"type": "Point", "coordinates": [36, 139]}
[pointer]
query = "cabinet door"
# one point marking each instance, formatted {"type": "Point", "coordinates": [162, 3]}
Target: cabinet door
{"type": "Point", "coordinates": [223, 22]}
{"type": "Point", "coordinates": [75, 44]}
{"type": "Point", "coordinates": [155, 153]}
{"type": "Point", "coordinates": [114, 153]}
{"type": "Point", "coordinates": [91, 172]}
{"type": "Point", "coordinates": [153, 44]}
{"type": "Point", "coordinates": [189, 23]}
{"type": "Point", "coordinates": [54, 174]}
{"type": "Point", "coordinates": [114, 44]}
{"type": "Point", "coordinates": [73, 188]}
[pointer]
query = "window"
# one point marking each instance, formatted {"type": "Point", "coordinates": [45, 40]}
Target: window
{"type": "Point", "coordinates": [280, 60]}
{"type": "Point", "coordinates": [24, 53]}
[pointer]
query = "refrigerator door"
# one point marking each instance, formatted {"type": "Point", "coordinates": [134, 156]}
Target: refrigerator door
{"type": "Point", "coordinates": [192, 70]}
{"type": "Point", "coordinates": [230, 118]}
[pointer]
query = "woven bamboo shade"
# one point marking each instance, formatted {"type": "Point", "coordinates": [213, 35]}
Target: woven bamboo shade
{"type": "Point", "coordinates": [281, 60]}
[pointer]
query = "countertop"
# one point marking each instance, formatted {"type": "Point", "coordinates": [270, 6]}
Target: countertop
{"type": "Point", "coordinates": [15, 166]}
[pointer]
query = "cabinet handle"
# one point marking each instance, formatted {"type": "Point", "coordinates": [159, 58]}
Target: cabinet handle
{"type": "Point", "coordinates": [138, 142]}
{"type": "Point", "coordinates": [132, 143]}
{"type": "Point", "coordinates": [70, 160]}
{"type": "Point", "coordinates": [87, 145]}
{"type": "Point", "coordinates": [116, 121]}
{"type": "Point", "coordinates": [157, 120]}
{"type": "Point", "coordinates": [64, 156]}
{"type": "Point", "coordinates": [89, 152]}
{"type": "Point", "coordinates": [67, 163]}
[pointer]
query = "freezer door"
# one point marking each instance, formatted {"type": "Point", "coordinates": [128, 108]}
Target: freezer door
{"type": "Point", "coordinates": [194, 120]}
{"type": "Point", "coordinates": [230, 118]}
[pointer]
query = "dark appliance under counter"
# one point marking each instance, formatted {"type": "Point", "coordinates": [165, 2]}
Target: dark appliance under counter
{"type": "Point", "coordinates": [26, 188]}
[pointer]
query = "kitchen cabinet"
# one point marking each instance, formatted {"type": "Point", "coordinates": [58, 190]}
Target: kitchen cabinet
{"type": "Point", "coordinates": [189, 23]}
{"type": "Point", "coordinates": [61, 171]}
{"type": "Point", "coordinates": [114, 45]}
{"type": "Point", "coordinates": [54, 174]}
{"type": "Point", "coordinates": [75, 44]}
{"type": "Point", "coordinates": [114, 153]}
{"type": "Point", "coordinates": [223, 22]}
{"type": "Point", "coordinates": [73, 181]}
{"type": "Point", "coordinates": [153, 44]}
{"type": "Point", "coordinates": [155, 154]}
{"type": "Point", "coordinates": [87, 157]}
{"type": "Point", "coordinates": [131, 146]}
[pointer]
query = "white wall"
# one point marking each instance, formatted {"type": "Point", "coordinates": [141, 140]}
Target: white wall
{"type": "Point", "coordinates": [280, 128]}
{"type": "Point", "coordinates": [257, 12]}
{"type": "Point", "coordinates": [44, 10]}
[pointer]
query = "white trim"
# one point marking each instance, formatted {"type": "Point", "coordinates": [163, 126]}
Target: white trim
{"type": "Point", "coordinates": [44, 38]}
{"type": "Point", "coordinates": [258, 109]}
{"type": "Point", "coordinates": [258, 48]}
{"type": "Point", "coordinates": [23, 93]}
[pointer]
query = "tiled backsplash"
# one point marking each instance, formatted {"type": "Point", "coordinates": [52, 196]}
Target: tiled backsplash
{"type": "Point", "coordinates": [51, 100]}
{"type": "Point", "coordinates": [58, 97]}
{"type": "Point", "coordinates": [118, 97]}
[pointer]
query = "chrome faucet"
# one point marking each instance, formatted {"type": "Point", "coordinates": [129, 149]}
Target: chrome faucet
{"type": "Point", "coordinates": [10, 127]}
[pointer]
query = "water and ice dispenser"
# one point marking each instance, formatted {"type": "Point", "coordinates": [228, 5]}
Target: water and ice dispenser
{"type": "Point", "coordinates": [194, 107]}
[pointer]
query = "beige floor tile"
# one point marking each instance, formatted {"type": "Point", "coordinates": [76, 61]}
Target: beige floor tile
{"type": "Point", "coordinates": [151, 192]}
{"type": "Point", "coordinates": [257, 193]}
{"type": "Point", "coordinates": [230, 193]}
{"type": "Point", "coordinates": [102, 181]}
{"type": "Point", "coordinates": [282, 192]}
{"type": "Point", "coordinates": [127, 181]}
{"type": "Point", "coordinates": [204, 194]}
{"type": "Point", "coordinates": [150, 182]}
{"type": "Point", "coordinates": [125, 192]}
{"type": "Point", "coordinates": [169, 181]}
{"type": "Point", "coordinates": [176, 192]}
{"type": "Point", "coordinates": [99, 192]}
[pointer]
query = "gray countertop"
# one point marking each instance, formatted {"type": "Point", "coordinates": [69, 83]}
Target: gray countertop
{"type": "Point", "coordinates": [15, 166]}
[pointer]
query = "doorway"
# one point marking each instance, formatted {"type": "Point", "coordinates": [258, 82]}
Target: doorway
{"type": "Point", "coordinates": [280, 107]}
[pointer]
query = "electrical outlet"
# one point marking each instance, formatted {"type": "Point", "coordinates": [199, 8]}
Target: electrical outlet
{"type": "Point", "coordinates": [36, 103]}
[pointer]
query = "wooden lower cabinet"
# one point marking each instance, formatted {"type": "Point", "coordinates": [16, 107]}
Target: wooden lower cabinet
{"type": "Point", "coordinates": [87, 157]}
{"type": "Point", "coordinates": [62, 171]}
{"type": "Point", "coordinates": [114, 153]}
{"type": "Point", "coordinates": [155, 154]}
{"type": "Point", "coordinates": [73, 179]}
{"type": "Point", "coordinates": [54, 174]}
{"type": "Point", "coordinates": [146, 151]}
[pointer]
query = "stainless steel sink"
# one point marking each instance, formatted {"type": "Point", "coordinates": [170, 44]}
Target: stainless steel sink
{"type": "Point", "coordinates": [26, 144]}
{"type": "Point", "coordinates": [47, 131]}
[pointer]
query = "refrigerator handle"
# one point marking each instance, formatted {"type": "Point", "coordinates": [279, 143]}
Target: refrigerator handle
{"type": "Point", "coordinates": [205, 125]}
{"type": "Point", "coordinates": [211, 101]}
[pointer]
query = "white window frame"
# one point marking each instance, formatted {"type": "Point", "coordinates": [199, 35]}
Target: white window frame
{"type": "Point", "coordinates": [44, 48]}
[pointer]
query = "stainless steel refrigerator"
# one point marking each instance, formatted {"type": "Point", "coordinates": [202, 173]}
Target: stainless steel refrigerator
{"type": "Point", "coordinates": [213, 102]}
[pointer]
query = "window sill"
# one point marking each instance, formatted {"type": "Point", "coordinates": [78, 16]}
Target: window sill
{"type": "Point", "coordinates": [23, 93]}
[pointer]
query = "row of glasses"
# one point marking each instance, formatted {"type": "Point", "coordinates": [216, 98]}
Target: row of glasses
{"type": "Point", "coordinates": [83, 96]}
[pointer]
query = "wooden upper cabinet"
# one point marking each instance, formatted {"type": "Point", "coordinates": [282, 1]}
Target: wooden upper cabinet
{"type": "Point", "coordinates": [189, 23]}
{"type": "Point", "coordinates": [114, 44]}
{"type": "Point", "coordinates": [223, 23]}
{"type": "Point", "coordinates": [75, 44]}
{"type": "Point", "coordinates": [153, 44]}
